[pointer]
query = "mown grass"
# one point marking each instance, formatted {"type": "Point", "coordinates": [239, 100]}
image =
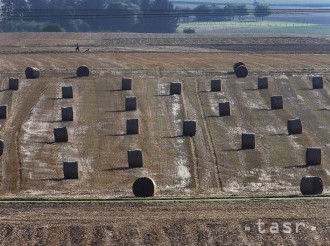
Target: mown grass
{"type": "Point", "coordinates": [259, 27]}
{"type": "Point", "coordinates": [247, 24]}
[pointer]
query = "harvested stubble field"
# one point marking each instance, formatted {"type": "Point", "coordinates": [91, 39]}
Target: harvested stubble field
{"type": "Point", "coordinates": [211, 163]}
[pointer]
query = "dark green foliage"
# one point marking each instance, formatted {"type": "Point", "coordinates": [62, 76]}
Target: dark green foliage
{"type": "Point", "coordinates": [241, 11]}
{"type": "Point", "coordinates": [189, 30]}
{"type": "Point", "coordinates": [158, 16]}
{"type": "Point", "coordinates": [123, 16]}
{"type": "Point", "coordinates": [262, 11]}
{"type": "Point", "coordinates": [52, 28]}
{"type": "Point", "coordinates": [89, 15]}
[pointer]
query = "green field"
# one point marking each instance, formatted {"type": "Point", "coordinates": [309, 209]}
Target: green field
{"type": "Point", "coordinates": [258, 27]}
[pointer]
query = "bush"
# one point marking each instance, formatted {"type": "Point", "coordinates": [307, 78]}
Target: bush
{"type": "Point", "coordinates": [20, 26]}
{"type": "Point", "coordinates": [77, 25]}
{"type": "Point", "coordinates": [189, 30]}
{"type": "Point", "coordinates": [52, 28]}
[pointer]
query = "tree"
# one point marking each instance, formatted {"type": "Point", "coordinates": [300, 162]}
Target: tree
{"type": "Point", "coordinates": [93, 12]}
{"type": "Point", "coordinates": [219, 14]}
{"type": "Point", "coordinates": [63, 12]}
{"type": "Point", "coordinates": [38, 4]}
{"type": "Point", "coordinates": [52, 28]}
{"type": "Point", "coordinates": [158, 17]}
{"type": "Point", "coordinates": [203, 12]}
{"type": "Point", "coordinates": [262, 11]}
{"type": "Point", "coordinates": [14, 9]}
{"type": "Point", "coordinates": [122, 16]}
{"type": "Point", "coordinates": [38, 10]}
{"type": "Point", "coordinates": [240, 11]}
{"type": "Point", "coordinates": [7, 9]}
{"type": "Point", "coordinates": [229, 11]}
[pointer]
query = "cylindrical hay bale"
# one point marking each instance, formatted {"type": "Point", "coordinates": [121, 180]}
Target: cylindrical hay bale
{"type": "Point", "coordinates": [224, 109]}
{"type": "Point", "coordinates": [241, 71]}
{"type": "Point", "coordinates": [317, 82]}
{"type": "Point", "coordinates": [2, 146]}
{"type": "Point", "coordinates": [32, 73]}
{"type": "Point", "coordinates": [144, 187]}
{"type": "Point", "coordinates": [294, 126]}
{"type": "Point", "coordinates": [67, 113]}
{"type": "Point", "coordinates": [215, 85]}
{"type": "Point", "coordinates": [132, 126]}
{"type": "Point", "coordinates": [135, 158]}
{"type": "Point", "coordinates": [126, 84]}
{"type": "Point", "coordinates": [82, 71]}
{"type": "Point", "coordinates": [189, 128]}
{"type": "Point", "coordinates": [311, 185]}
{"type": "Point", "coordinates": [276, 102]}
{"type": "Point", "coordinates": [262, 83]}
{"type": "Point", "coordinates": [248, 141]}
{"type": "Point", "coordinates": [313, 156]}
{"type": "Point", "coordinates": [3, 111]}
{"type": "Point", "coordinates": [130, 103]}
{"type": "Point", "coordinates": [175, 88]}
{"type": "Point", "coordinates": [67, 92]}
{"type": "Point", "coordinates": [70, 170]}
{"type": "Point", "coordinates": [237, 64]}
{"type": "Point", "coordinates": [13, 83]}
{"type": "Point", "coordinates": [61, 135]}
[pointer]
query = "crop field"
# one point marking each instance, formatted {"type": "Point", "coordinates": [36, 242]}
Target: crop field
{"type": "Point", "coordinates": [257, 27]}
{"type": "Point", "coordinates": [210, 164]}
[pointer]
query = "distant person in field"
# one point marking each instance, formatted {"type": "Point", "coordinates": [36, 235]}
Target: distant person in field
{"type": "Point", "coordinates": [77, 48]}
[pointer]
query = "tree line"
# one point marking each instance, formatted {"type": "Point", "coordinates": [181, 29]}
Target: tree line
{"type": "Point", "coordinates": [230, 12]}
{"type": "Point", "coordinates": [155, 16]}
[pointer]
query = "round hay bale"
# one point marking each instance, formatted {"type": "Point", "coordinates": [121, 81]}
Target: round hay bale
{"type": "Point", "coordinates": [248, 141]}
{"type": "Point", "coordinates": [61, 135]}
{"type": "Point", "coordinates": [13, 84]}
{"type": "Point", "coordinates": [144, 187]}
{"type": "Point", "coordinates": [135, 158]}
{"type": "Point", "coordinates": [311, 185]}
{"type": "Point", "coordinates": [215, 85]}
{"type": "Point", "coordinates": [67, 113]}
{"type": "Point", "coordinates": [132, 126]}
{"type": "Point", "coordinates": [70, 170]}
{"type": "Point", "coordinates": [189, 128]}
{"type": "Point", "coordinates": [83, 71]}
{"type": "Point", "coordinates": [175, 88]}
{"type": "Point", "coordinates": [262, 83]}
{"type": "Point", "coordinates": [32, 73]}
{"type": "Point", "coordinates": [224, 109]}
{"type": "Point", "coordinates": [67, 92]}
{"type": "Point", "coordinates": [276, 102]}
{"type": "Point", "coordinates": [130, 103]}
{"type": "Point", "coordinates": [241, 71]}
{"type": "Point", "coordinates": [313, 156]}
{"type": "Point", "coordinates": [2, 146]}
{"type": "Point", "coordinates": [3, 112]}
{"type": "Point", "coordinates": [294, 126]}
{"type": "Point", "coordinates": [317, 82]}
{"type": "Point", "coordinates": [237, 64]}
{"type": "Point", "coordinates": [126, 84]}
